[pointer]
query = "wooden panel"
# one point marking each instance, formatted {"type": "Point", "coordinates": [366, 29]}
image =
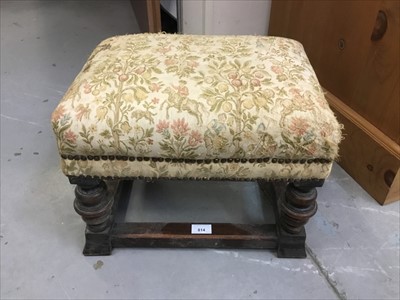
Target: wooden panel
{"type": "Point", "coordinates": [337, 38]}
{"type": "Point", "coordinates": [148, 15]}
{"type": "Point", "coordinates": [367, 154]}
{"type": "Point", "coordinates": [362, 71]}
{"type": "Point", "coordinates": [394, 192]}
{"type": "Point", "coordinates": [377, 94]}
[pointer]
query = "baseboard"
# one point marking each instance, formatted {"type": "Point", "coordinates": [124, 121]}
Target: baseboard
{"type": "Point", "coordinates": [367, 154]}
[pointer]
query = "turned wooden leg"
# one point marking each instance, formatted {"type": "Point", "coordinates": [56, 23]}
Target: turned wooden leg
{"type": "Point", "coordinates": [296, 207]}
{"type": "Point", "coordinates": [94, 204]}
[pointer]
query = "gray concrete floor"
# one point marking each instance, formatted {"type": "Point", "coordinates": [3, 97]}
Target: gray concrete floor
{"type": "Point", "coordinates": [352, 243]}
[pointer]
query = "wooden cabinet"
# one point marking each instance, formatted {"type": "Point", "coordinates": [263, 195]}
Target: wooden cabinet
{"type": "Point", "coordinates": [354, 49]}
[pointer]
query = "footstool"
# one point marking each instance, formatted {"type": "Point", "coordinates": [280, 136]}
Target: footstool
{"type": "Point", "coordinates": [161, 106]}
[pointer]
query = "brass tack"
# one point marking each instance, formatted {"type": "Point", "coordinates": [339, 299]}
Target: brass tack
{"type": "Point", "coordinates": [111, 157]}
{"type": "Point", "coordinates": [139, 158]}
{"type": "Point", "coordinates": [259, 160]}
{"type": "Point", "coordinates": [90, 157]}
{"type": "Point", "coordinates": [281, 160]}
{"type": "Point", "coordinates": [274, 160]}
{"type": "Point", "coordinates": [266, 159]}
{"type": "Point", "coordinates": [146, 158]}
{"type": "Point", "coordinates": [168, 159]}
{"type": "Point", "coordinates": [223, 160]}
{"type": "Point", "coordinates": [216, 160]}
{"type": "Point", "coordinates": [131, 158]}
{"type": "Point", "coordinates": [97, 158]}
{"type": "Point", "coordinates": [237, 160]}
{"type": "Point", "coordinates": [70, 157]}
{"type": "Point", "coordinates": [243, 160]}
{"type": "Point", "coordinates": [252, 160]}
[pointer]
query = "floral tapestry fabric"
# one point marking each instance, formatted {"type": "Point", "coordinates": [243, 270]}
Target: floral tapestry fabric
{"type": "Point", "coordinates": [161, 96]}
{"type": "Point", "coordinates": [203, 171]}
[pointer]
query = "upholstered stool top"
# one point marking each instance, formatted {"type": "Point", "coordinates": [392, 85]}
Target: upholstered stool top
{"type": "Point", "coordinates": [160, 105]}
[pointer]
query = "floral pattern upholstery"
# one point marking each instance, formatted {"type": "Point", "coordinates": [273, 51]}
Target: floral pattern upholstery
{"type": "Point", "coordinates": [160, 105]}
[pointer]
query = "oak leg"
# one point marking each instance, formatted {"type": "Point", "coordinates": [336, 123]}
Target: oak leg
{"type": "Point", "coordinates": [94, 204]}
{"type": "Point", "coordinates": [296, 208]}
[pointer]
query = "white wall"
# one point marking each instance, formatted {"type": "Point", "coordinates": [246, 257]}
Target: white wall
{"type": "Point", "coordinates": [225, 16]}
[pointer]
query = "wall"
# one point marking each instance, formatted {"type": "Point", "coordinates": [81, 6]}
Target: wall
{"type": "Point", "coordinates": [225, 17]}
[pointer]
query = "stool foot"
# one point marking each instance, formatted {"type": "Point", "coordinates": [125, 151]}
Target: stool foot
{"type": "Point", "coordinates": [94, 204]}
{"type": "Point", "coordinates": [291, 245]}
{"type": "Point", "coordinates": [97, 243]}
{"type": "Point", "coordinates": [296, 208]}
